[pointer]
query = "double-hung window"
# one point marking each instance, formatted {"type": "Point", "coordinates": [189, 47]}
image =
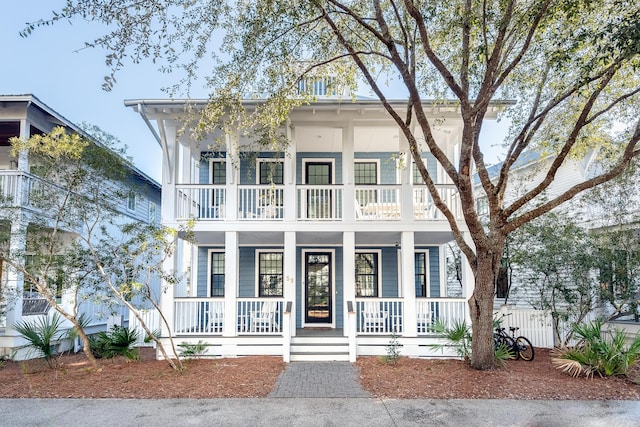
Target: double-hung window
{"type": "Point", "coordinates": [216, 274]}
{"type": "Point", "coordinates": [367, 274]}
{"type": "Point", "coordinates": [366, 173]}
{"type": "Point", "coordinates": [270, 172]}
{"type": "Point", "coordinates": [421, 275]}
{"type": "Point", "coordinates": [270, 274]}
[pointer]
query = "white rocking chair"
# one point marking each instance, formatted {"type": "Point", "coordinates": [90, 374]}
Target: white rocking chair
{"type": "Point", "coordinates": [264, 320]}
{"type": "Point", "coordinates": [374, 319]}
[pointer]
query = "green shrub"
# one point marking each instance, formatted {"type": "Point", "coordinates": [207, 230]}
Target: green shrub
{"type": "Point", "coordinates": [41, 335]}
{"type": "Point", "coordinates": [602, 353]}
{"type": "Point", "coordinates": [116, 342]}
{"type": "Point", "coordinates": [457, 336]}
{"type": "Point", "coordinates": [193, 350]}
{"type": "Point", "coordinates": [393, 350]}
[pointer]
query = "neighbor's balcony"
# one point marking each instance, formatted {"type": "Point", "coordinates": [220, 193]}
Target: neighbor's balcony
{"type": "Point", "coordinates": [17, 188]}
{"type": "Point", "coordinates": [312, 202]}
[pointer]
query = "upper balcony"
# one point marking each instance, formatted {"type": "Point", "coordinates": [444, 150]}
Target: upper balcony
{"type": "Point", "coordinates": [17, 189]}
{"type": "Point", "coordinates": [311, 202]}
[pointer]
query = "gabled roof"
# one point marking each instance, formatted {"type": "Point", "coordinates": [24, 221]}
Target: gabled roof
{"type": "Point", "coordinates": [57, 118]}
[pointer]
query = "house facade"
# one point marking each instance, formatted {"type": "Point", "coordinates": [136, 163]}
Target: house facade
{"type": "Point", "coordinates": [24, 116]}
{"type": "Point", "coordinates": [324, 251]}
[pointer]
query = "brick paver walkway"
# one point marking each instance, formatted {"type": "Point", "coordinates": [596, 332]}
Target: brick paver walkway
{"type": "Point", "coordinates": [319, 379]}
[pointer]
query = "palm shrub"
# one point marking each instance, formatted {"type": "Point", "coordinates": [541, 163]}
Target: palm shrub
{"type": "Point", "coordinates": [116, 342]}
{"type": "Point", "coordinates": [603, 353]}
{"type": "Point", "coordinates": [41, 335]}
{"type": "Point", "coordinates": [457, 336]}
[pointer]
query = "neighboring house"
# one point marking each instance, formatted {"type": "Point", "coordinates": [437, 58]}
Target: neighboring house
{"type": "Point", "coordinates": [319, 252]}
{"type": "Point", "coordinates": [24, 116]}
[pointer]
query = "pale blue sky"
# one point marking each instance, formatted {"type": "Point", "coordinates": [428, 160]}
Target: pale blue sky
{"type": "Point", "coordinates": [52, 65]}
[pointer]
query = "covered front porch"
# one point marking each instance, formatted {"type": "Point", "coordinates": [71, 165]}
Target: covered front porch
{"type": "Point", "coordinates": [349, 292]}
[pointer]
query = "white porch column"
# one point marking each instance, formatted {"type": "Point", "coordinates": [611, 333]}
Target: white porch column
{"type": "Point", "coordinates": [15, 279]}
{"type": "Point", "coordinates": [349, 289]}
{"type": "Point", "coordinates": [348, 158]}
{"type": "Point", "coordinates": [406, 196]}
{"type": "Point", "coordinates": [407, 242]}
{"type": "Point", "coordinates": [231, 193]}
{"type": "Point", "coordinates": [167, 299]}
{"type": "Point", "coordinates": [230, 283]}
{"type": "Point", "coordinates": [289, 292]}
{"type": "Point", "coordinates": [290, 206]}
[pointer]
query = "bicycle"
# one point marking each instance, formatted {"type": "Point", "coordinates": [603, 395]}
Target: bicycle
{"type": "Point", "coordinates": [519, 346]}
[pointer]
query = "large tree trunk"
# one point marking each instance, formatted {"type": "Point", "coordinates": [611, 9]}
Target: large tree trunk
{"type": "Point", "coordinates": [481, 308]}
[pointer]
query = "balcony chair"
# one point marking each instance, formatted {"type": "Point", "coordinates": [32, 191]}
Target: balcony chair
{"type": "Point", "coordinates": [264, 320]}
{"type": "Point", "coordinates": [215, 317]}
{"type": "Point", "coordinates": [374, 319]}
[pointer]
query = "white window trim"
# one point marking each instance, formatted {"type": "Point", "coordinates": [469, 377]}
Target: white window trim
{"type": "Point", "coordinates": [209, 252]}
{"type": "Point", "coordinates": [371, 251]}
{"type": "Point", "coordinates": [304, 287]}
{"type": "Point", "coordinates": [376, 161]}
{"type": "Point", "coordinates": [152, 213]}
{"type": "Point", "coordinates": [257, 271]}
{"type": "Point", "coordinates": [259, 162]}
{"type": "Point", "coordinates": [135, 201]}
{"type": "Point", "coordinates": [319, 160]}
{"type": "Point", "coordinates": [217, 160]}
{"type": "Point", "coordinates": [427, 272]}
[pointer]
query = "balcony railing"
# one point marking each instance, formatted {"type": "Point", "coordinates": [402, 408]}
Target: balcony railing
{"type": "Point", "coordinates": [313, 202]}
{"type": "Point", "coordinates": [319, 202]}
{"type": "Point", "coordinates": [261, 202]}
{"type": "Point", "coordinates": [379, 316]}
{"type": "Point", "coordinates": [17, 188]}
{"type": "Point", "coordinates": [193, 316]}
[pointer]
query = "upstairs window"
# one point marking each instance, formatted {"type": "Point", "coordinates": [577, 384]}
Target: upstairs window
{"type": "Point", "coordinates": [270, 172]}
{"type": "Point", "coordinates": [152, 213]}
{"type": "Point", "coordinates": [131, 201]}
{"type": "Point", "coordinates": [218, 172]}
{"type": "Point", "coordinates": [365, 173]}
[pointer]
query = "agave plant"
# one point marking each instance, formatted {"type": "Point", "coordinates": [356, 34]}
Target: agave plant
{"type": "Point", "coordinates": [41, 334]}
{"type": "Point", "coordinates": [603, 353]}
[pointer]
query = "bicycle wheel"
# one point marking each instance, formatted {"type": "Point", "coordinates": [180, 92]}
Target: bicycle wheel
{"type": "Point", "coordinates": [525, 349]}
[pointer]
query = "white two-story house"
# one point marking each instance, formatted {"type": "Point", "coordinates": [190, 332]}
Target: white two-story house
{"type": "Point", "coordinates": [322, 251]}
{"type": "Point", "coordinates": [24, 116]}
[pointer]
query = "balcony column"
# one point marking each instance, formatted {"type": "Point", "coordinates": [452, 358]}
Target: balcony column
{"type": "Point", "coordinates": [406, 196]}
{"type": "Point", "coordinates": [289, 196]}
{"type": "Point", "coordinates": [15, 278]}
{"type": "Point", "coordinates": [231, 193]}
{"type": "Point", "coordinates": [349, 290]}
{"type": "Point", "coordinates": [168, 205]}
{"type": "Point", "coordinates": [167, 299]}
{"type": "Point", "coordinates": [230, 283]}
{"type": "Point", "coordinates": [23, 156]}
{"type": "Point", "coordinates": [348, 159]}
{"type": "Point", "coordinates": [407, 254]}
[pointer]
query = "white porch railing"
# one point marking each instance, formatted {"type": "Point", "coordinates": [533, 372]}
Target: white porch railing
{"type": "Point", "coordinates": [200, 201]}
{"type": "Point", "coordinates": [425, 209]}
{"type": "Point", "coordinates": [319, 202]}
{"type": "Point", "coordinates": [151, 318]}
{"type": "Point", "coordinates": [261, 201]}
{"type": "Point", "coordinates": [259, 316]}
{"type": "Point", "coordinates": [381, 316]}
{"type": "Point", "coordinates": [377, 202]}
{"type": "Point", "coordinates": [445, 310]}
{"type": "Point", "coordinates": [193, 316]}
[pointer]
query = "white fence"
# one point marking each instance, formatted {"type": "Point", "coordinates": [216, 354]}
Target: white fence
{"type": "Point", "coordinates": [537, 325]}
{"type": "Point", "coordinates": [151, 318]}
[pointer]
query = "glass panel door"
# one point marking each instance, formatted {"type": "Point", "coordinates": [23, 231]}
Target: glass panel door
{"type": "Point", "coordinates": [318, 289]}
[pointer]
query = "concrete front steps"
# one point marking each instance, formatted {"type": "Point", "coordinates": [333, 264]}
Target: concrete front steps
{"type": "Point", "coordinates": [319, 349]}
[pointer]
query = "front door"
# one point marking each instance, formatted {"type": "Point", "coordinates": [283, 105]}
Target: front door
{"type": "Point", "coordinates": [318, 288]}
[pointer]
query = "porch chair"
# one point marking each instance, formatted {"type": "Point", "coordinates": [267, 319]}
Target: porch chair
{"type": "Point", "coordinates": [264, 320]}
{"type": "Point", "coordinates": [374, 319]}
{"type": "Point", "coordinates": [424, 318]}
{"type": "Point", "coordinates": [215, 320]}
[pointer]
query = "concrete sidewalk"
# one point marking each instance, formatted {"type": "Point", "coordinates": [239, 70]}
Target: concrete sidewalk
{"type": "Point", "coordinates": [316, 412]}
